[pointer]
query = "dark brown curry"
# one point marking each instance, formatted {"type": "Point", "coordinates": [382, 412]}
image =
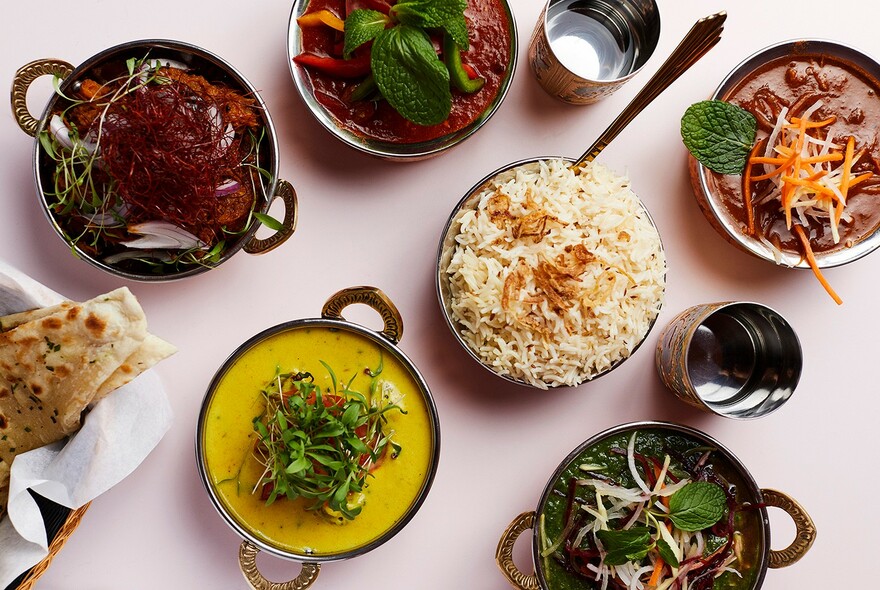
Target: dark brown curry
{"type": "Point", "coordinates": [848, 94]}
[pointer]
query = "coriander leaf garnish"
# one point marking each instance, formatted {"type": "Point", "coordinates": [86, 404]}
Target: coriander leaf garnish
{"type": "Point", "coordinates": [719, 135]}
{"type": "Point", "coordinates": [697, 506]}
{"type": "Point", "coordinates": [410, 75]}
{"type": "Point", "coordinates": [362, 26]}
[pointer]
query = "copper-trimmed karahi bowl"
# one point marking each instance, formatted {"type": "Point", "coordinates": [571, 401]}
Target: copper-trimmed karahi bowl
{"type": "Point", "coordinates": [384, 148]}
{"type": "Point", "coordinates": [705, 183]}
{"type": "Point", "coordinates": [462, 327]}
{"type": "Point", "coordinates": [292, 529]}
{"type": "Point", "coordinates": [751, 520]}
{"type": "Point", "coordinates": [111, 62]}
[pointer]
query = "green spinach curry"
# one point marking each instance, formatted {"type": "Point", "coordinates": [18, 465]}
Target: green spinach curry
{"type": "Point", "coordinates": [649, 509]}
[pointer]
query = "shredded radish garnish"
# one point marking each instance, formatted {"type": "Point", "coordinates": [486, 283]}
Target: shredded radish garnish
{"type": "Point", "coordinates": [631, 461]}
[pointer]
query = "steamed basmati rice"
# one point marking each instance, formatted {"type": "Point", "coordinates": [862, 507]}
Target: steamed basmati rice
{"type": "Point", "coordinates": [555, 276]}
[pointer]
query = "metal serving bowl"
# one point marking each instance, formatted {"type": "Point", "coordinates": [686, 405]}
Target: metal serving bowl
{"type": "Point", "coordinates": [383, 149]}
{"type": "Point", "coordinates": [206, 63]}
{"type": "Point", "coordinates": [731, 468]}
{"type": "Point", "coordinates": [710, 203]}
{"type": "Point", "coordinates": [447, 248]}
{"type": "Point", "coordinates": [387, 339]}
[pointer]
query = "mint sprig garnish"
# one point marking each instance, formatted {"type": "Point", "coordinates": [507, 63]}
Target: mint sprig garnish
{"type": "Point", "coordinates": [405, 66]}
{"type": "Point", "coordinates": [435, 14]}
{"type": "Point", "coordinates": [697, 506]}
{"type": "Point", "coordinates": [410, 76]}
{"type": "Point", "coordinates": [362, 26]}
{"type": "Point", "coordinates": [719, 135]}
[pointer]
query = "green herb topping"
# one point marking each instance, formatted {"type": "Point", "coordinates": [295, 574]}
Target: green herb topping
{"type": "Point", "coordinates": [719, 135]}
{"type": "Point", "coordinates": [406, 68]}
{"type": "Point", "coordinates": [322, 445]}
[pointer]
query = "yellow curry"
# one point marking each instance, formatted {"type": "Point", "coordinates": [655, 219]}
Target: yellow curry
{"type": "Point", "coordinates": [229, 437]}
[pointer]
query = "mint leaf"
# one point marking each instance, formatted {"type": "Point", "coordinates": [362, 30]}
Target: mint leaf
{"type": "Point", "coordinates": [362, 26]}
{"type": "Point", "coordinates": [697, 506]}
{"type": "Point", "coordinates": [428, 13]}
{"type": "Point", "coordinates": [719, 135]}
{"type": "Point", "coordinates": [435, 14]}
{"type": "Point", "coordinates": [667, 553]}
{"type": "Point", "coordinates": [410, 75]}
{"type": "Point", "coordinates": [623, 546]}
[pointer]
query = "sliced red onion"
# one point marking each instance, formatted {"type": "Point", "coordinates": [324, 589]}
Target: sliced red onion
{"type": "Point", "coordinates": [60, 131]}
{"type": "Point", "coordinates": [228, 187]}
{"type": "Point", "coordinates": [104, 219]}
{"type": "Point", "coordinates": [161, 234]}
{"type": "Point", "coordinates": [140, 254]}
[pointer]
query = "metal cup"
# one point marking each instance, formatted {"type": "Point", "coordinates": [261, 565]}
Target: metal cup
{"type": "Point", "coordinates": [584, 50]}
{"type": "Point", "coordinates": [735, 359]}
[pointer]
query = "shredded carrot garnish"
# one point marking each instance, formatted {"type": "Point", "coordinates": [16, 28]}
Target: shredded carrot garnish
{"type": "Point", "coordinates": [808, 174]}
{"type": "Point", "coordinates": [658, 569]}
{"type": "Point", "coordinates": [811, 259]}
{"type": "Point", "coordinates": [747, 188]}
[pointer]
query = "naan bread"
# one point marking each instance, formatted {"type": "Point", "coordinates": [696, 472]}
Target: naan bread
{"type": "Point", "coordinates": [55, 362]}
{"type": "Point", "coordinates": [153, 349]}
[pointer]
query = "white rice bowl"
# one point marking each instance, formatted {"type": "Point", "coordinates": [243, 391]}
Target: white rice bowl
{"type": "Point", "coordinates": [554, 277]}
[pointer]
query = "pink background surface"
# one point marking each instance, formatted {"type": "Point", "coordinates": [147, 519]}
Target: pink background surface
{"type": "Point", "coordinates": [364, 221]}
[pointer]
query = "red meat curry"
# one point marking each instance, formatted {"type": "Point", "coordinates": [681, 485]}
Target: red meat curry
{"type": "Point", "coordinates": [848, 94]}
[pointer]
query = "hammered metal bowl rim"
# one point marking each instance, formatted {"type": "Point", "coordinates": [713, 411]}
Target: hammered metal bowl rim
{"type": "Point", "coordinates": [183, 48]}
{"type": "Point", "coordinates": [833, 258]}
{"type": "Point", "coordinates": [384, 149]}
{"type": "Point", "coordinates": [754, 491]}
{"type": "Point", "coordinates": [243, 531]}
{"type": "Point", "coordinates": [441, 281]}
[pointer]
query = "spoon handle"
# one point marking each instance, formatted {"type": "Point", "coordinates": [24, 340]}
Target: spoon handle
{"type": "Point", "coordinates": [705, 33]}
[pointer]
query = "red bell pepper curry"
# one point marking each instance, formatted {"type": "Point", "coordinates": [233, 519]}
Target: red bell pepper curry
{"type": "Point", "coordinates": [334, 79]}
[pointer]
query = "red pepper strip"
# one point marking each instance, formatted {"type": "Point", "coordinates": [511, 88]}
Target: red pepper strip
{"type": "Point", "coordinates": [470, 71]}
{"type": "Point", "coordinates": [356, 67]}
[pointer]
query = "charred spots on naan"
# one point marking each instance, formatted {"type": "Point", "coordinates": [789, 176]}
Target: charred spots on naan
{"type": "Point", "coordinates": [73, 312]}
{"type": "Point", "coordinates": [4, 392]}
{"type": "Point", "coordinates": [52, 323]}
{"type": "Point", "coordinates": [126, 368]}
{"type": "Point", "coordinates": [4, 423]}
{"type": "Point", "coordinates": [95, 325]}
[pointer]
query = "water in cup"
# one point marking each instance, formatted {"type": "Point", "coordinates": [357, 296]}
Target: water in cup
{"type": "Point", "coordinates": [592, 39]}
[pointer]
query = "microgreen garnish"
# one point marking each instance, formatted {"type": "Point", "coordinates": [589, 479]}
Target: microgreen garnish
{"type": "Point", "coordinates": [719, 134]}
{"type": "Point", "coordinates": [322, 445]}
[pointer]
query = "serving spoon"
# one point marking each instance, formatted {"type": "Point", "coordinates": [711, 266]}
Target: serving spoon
{"type": "Point", "coordinates": [702, 37]}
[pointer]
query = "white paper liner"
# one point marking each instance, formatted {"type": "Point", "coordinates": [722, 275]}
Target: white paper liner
{"type": "Point", "coordinates": [117, 435]}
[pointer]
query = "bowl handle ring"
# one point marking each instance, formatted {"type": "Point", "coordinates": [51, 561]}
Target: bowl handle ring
{"type": "Point", "coordinates": [247, 560]}
{"type": "Point", "coordinates": [286, 192]}
{"type": "Point", "coordinates": [23, 79]}
{"type": "Point", "coordinates": [805, 528]}
{"type": "Point", "coordinates": [373, 297]}
{"type": "Point", "coordinates": [504, 553]}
